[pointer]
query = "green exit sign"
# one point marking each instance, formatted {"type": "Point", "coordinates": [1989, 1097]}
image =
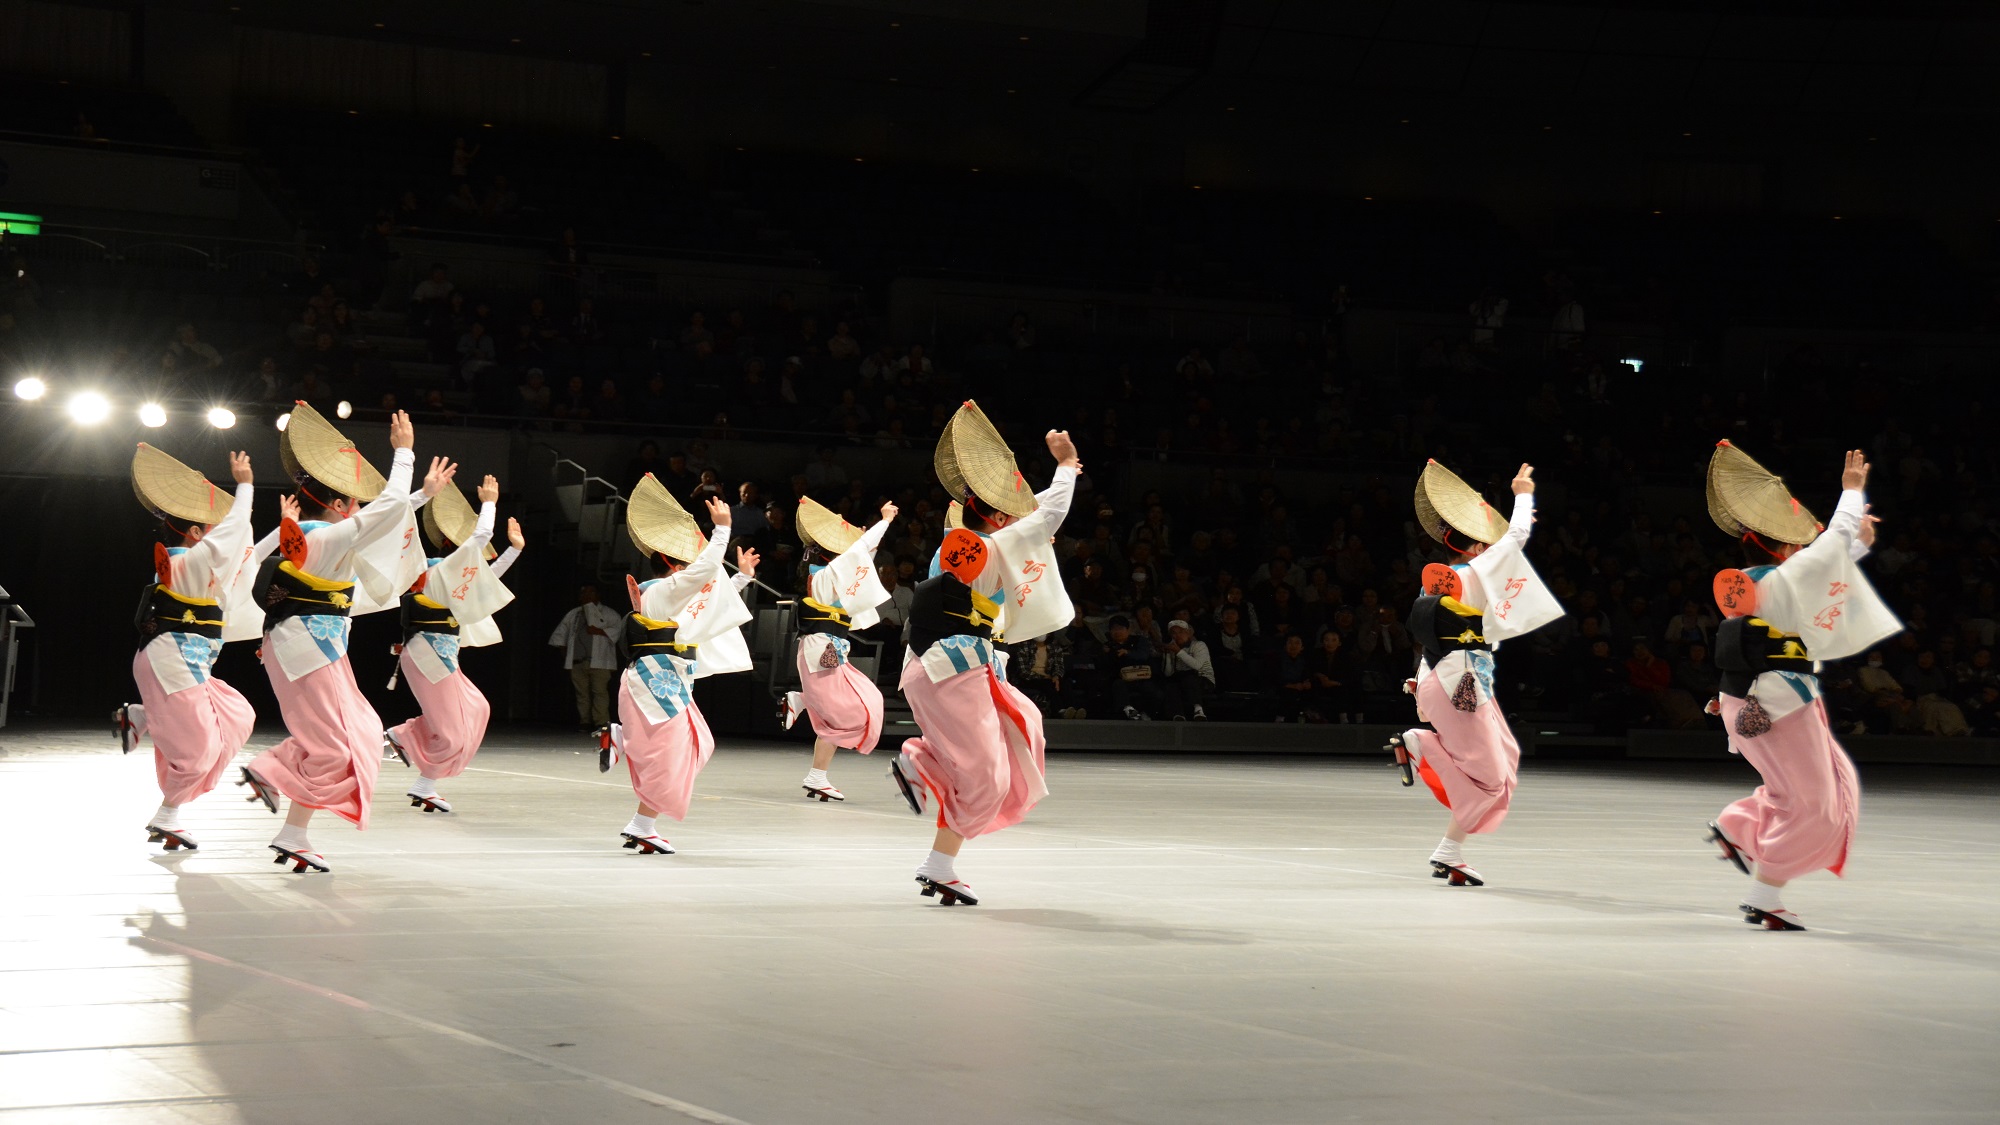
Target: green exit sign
{"type": "Point", "coordinates": [14, 223]}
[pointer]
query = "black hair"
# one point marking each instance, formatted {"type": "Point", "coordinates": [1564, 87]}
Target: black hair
{"type": "Point", "coordinates": [660, 564]}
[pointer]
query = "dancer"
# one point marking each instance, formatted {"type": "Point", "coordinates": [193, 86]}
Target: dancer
{"type": "Point", "coordinates": [1804, 600]}
{"type": "Point", "coordinates": [1469, 759]}
{"type": "Point", "coordinates": [980, 756]}
{"type": "Point", "coordinates": [196, 721]}
{"type": "Point", "coordinates": [450, 607]}
{"type": "Point", "coordinates": [842, 592]}
{"type": "Point", "coordinates": [353, 554]}
{"type": "Point", "coordinates": [685, 624]}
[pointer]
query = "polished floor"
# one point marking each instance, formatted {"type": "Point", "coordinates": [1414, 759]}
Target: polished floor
{"type": "Point", "coordinates": [1165, 941]}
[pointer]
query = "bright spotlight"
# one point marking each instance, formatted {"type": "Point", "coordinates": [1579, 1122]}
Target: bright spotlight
{"type": "Point", "coordinates": [345, 409]}
{"type": "Point", "coordinates": [153, 415]}
{"type": "Point", "coordinates": [284, 420]}
{"type": "Point", "coordinates": [89, 408]}
{"type": "Point", "coordinates": [221, 417]}
{"type": "Point", "coordinates": [30, 388]}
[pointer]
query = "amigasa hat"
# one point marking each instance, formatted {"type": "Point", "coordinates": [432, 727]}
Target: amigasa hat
{"type": "Point", "coordinates": [973, 460]}
{"type": "Point", "coordinates": [450, 520]}
{"type": "Point", "coordinates": [820, 527]}
{"type": "Point", "coordinates": [659, 525]}
{"type": "Point", "coordinates": [1446, 503]}
{"type": "Point", "coordinates": [1744, 496]}
{"type": "Point", "coordinates": [168, 488]}
{"type": "Point", "coordinates": [328, 456]}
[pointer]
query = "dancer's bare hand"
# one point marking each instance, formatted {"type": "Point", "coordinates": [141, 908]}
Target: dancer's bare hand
{"type": "Point", "coordinates": [746, 561]}
{"type": "Point", "coordinates": [1063, 449]}
{"type": "Point", "coordinates": [1854, 476]}
{"type": "Point", "coordinates": [889, 511]}
{"type": "Point", "coordinates": [515, 539]}
{"type": "Point", "coordinates": [402, 434]}
{"type": "Point", "coordinates": [718, 511]}
{"type": "Point", "coordinates": [288, 508]}
{"type": "Point", "coordinates": [489, 489]}
{"type": "Point", "coordinates": [1524, 481]}
{"type": "Point", "coordinates": [440, 475]}
{"type": "Point", "coordinates": [1868, 523]}
{"type": "Point", "coordinates": [239, 467]}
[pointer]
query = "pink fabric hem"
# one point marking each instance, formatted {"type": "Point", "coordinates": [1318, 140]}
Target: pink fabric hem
{"type": "Point", "coordinates": [1803, 817]}
{"type": "Point", "coordinates": [964, 755]}
{"type": "Point", "coordinates": [335, 750]}
{"type": "Point", "coordinates": [196, 732]}
{"type": "Point", "coordinates": [1473, 754]}
{"type": "Point", "coordinates": [844, 706]}
{"type": "Point", "coordinates": [442, 740]}
{"type": "Point", "coordinates": [665, 759]}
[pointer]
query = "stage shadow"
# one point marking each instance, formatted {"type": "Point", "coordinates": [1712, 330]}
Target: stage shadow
{"type": "Point", "coordinates": [1076, 921]}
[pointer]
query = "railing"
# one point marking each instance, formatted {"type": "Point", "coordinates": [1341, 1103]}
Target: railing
{"type": "Point", "coordinates": [13, 619]}
{"type": "Point", "coordinates": [66, 243]}
{"type": "Point", "coordinates": [113, 144]}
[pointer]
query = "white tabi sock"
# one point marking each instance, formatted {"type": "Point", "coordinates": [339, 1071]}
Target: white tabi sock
{"type": "Point", "coordinates": [816, 778]}
{"type": "Point", "coordinates": [937, 866]}
{"type": "Point", "coordinates": [292, 839]}
{"type": "Point", "coordinates": [1763, 896]}
{"type": "Point", "coordinates": [641, 826]}
{"type": "Point", "coordinates": [169, 816]}
{"type": "Point", "coordinates": [424, 787]}
{"type": "Point", "coordinates": [1447, 851]}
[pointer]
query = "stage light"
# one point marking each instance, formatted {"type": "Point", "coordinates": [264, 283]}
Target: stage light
{"type": "Point", "coordinates": [221, 417]}
{"type": "Point", "coordinates": [1638, 365]}
{"type": "Point", "coordinates": [284, 420]}
{"type": "Point", "coordinates": [88, 408]}
{"type": "Point", "coordinates": [30, 389]}
{"type": "Point", "coordinates": [344, 410]}
{"type": "Point", "coordinates": [153, 415]}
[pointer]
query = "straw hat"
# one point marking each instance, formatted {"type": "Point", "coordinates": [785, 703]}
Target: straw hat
{"type": "Point", "coordinates": [329, 456]}
{"type": "Point", "coordinates": [820, 527]}
{"type": "Point", "coordinates": [1745, 496]}
{"type": "Point", "coordinates": [973, 460]}
{"type": "Point", "coordinates": [659, 525]}
{"type": "Point", "coordinates": [449, 520]}
{"type": "Point", "coordinates": [168, 488]}
{"type": "Point", "coordinates": [1446, 503]}
{"type": "Point", "coordinates": [954, 516]}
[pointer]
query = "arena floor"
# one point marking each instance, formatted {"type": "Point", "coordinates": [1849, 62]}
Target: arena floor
{"type": "Point", "coordinates": [1166, 940]}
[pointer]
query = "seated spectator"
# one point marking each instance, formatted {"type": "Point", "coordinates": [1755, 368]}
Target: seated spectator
{"type": "Point", "coordinates": [914, 363]}
{"type": "Point", "coordinates": [572, 406]}
{"type": "Point", "coordinates": [433, 290]}
{"type": "Point", "coordinates": [747, 513]}
{"type": "Point", "coordinates": [646, 460]}
{"type": "Point", "coordinates": [192, 355]}
{"type": "Point", "coordinates": [1190, 671]}
{"type": "Point", "coordinates": [679, 478]}
{"type": "Point", "coordinates": [536, 397]}
{"type": "Point", "coordinates": [655, 405]}
{"type": "Point", "coordinates": [585, 330]}
{"type": "Point", "coordinates": [476, 354]}
{"type": "Point", "coordinates": [313, 389]}
{"type": "Point", "coordinates": [842, 347]}
{"type": "Point", "coordinates": [696, 334]}
{"type": "Point", "coordinates": [1292, 671]}
{"type": "Point", "coordinates": [1693, 625]}
{"type": "Point", "coordinates": [1037, 668]}
{"type": "Point", "coordinates": [824, 475]}
{"type": "Point", "coordinates": [1129, 660]}
{"type": "Point", "coordinates": [609, 405]}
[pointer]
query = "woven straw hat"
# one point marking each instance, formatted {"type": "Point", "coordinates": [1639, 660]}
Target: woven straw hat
{"type": "Point", "coordinates": [973, 460]}
{"type": "Point", "coordinates": [1446, 503]}
{"type": "Point", "coordinates": [820, 527]}
{"type": "Point", "coordinates": [449, 520]}
{"type": "Point", "coordinates": [659, 525]}
{"type": "Point", "coordinates": [168, 488]}
{"type": "Point", "coordinates": [1745, 496]}
{"type": "Point", "coordinates": [329, 456]}
{"type": "Point", "coordinates": [954, 516]}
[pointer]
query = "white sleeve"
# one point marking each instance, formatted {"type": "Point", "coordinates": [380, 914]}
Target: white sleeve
{"type": "Point", "coordinates": [482, 534]}
{"type": "Point", "coordinates": [1842, 534]}
{"type": "Point", "coordinates": [505, 560]}
{"type": "Point", "coordinates": [388, 506]}
{"type": "Point", "coordinates": [1523, 522]}
{"type": "Point", "coordinates": [741, 581]}
{"type": "Point", "coordinates": [264, 547]}
{"type": "Point", "coordinates": [221, 542]}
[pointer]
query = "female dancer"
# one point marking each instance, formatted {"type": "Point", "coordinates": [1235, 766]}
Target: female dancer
{"type": "Point", "coordinates": [685, 624]}
{"type": "Point", "coordinates": [842, 593]}
{"type": "Point", "coordinates": [451, 606]}
{"type": "Point", "coordinates": [197, 722]}
{"type": "Point", "coordinates": [1470, 758]}
{"type": "Point", "coordinates": [981, 752]}
{"type": "Point", "coordinates": [351, 555]}
{"type": "Point", "coordinates": [1804, 601]}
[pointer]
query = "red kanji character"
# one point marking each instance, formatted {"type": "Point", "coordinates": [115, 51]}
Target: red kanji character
{"type": "Point", "coordinates": [1835, 589]}
{"type": "Point", "coordinates": [1826, 617]}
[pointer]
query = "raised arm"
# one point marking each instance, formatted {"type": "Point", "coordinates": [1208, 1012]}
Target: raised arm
{"type": "Point", "coordinates": [1849, 530]}
{"type": "Point", "coordinates": [1053, 502]}
{"type": "Point", "coordinates": [288, 509]}
{"type": "Point", "coordinates": [489, 500]}
{"type": "Point", "coordinates": [224, 539]}
{"type": "Point", "coordinates": [516, 543]}
{"type": "Point", "coordinates": [1523, 521]}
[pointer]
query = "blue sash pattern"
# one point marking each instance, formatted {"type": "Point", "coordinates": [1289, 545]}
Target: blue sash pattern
{"type": "Point", "coordinates": [669, 680]}
{"type": "Point", "coordinates": [446, 648]}
{"type": "Point", "coordinates": [330, 633]}
{"type": "Point", "coordinates": [198, 652]}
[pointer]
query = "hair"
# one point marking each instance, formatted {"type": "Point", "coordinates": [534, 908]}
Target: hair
{"type": "Point", "coordinates": [660, 564]}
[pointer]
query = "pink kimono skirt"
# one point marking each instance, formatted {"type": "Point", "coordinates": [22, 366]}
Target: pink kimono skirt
{"type": "Point", "coordinates": [664, 758]}
{"type": "Point", "coordinates": [335, 750]}
{"type": "Point", "coordinates": [196, 731]}
{"type": "Point", "coordinates": [1470, 760]}
{"type": "Point", "coordinates": [845, 707]}
{"type": "Point", "coordinates": [1802, 818]}
{"type": "Point", "coordinates": [982, 753]}
{"type": "Point", "coordinates": [442, 740]}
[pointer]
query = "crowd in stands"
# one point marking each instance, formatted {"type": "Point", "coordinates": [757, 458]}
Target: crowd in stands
{"type": "Point", "coordinates": [1277, 590]}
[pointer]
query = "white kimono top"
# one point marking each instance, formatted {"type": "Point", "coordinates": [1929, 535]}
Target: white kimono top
{"type": "Point", "coordinates": [208, 572]}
